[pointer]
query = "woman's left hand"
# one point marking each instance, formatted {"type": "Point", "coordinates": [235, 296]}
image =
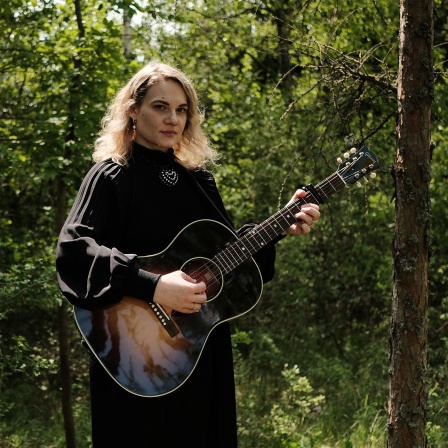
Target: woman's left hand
{"type": "Point", "coordinates": [308, 215]}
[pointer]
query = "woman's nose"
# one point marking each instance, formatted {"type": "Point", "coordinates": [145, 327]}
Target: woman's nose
{"type": "Point", "coordinates": [172, 117]}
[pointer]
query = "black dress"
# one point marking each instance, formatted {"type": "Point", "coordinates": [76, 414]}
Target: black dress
{"type": "Point", "coordinates": [120, 213]}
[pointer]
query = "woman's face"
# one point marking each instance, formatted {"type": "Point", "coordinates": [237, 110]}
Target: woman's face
{"type": "Point", "coordinates": [162, 116]}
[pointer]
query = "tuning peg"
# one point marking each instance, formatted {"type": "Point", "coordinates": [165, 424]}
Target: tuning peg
{"type": "Point", "coordinates": [353, 150]}
{"type": "Point", "coordinates": [339, 160]}
{"type": "Point", "coordinates": [373, 175]}
{"type": "Point", "coordinates": [358, 184]}
{"type": "Point", "coordinates": [346, 155]}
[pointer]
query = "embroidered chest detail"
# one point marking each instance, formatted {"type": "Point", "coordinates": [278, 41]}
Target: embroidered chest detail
{"type": "Point", "coordinates": [169, 176]}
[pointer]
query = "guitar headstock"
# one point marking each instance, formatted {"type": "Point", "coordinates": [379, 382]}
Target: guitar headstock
{"type": "Point", "coordinates": [358, 163]}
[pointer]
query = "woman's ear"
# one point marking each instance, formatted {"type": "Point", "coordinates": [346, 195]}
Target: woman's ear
{"type": "Point", "coordinates": [132, 112]}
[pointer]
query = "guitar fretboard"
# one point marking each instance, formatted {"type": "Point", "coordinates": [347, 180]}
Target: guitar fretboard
{"type": "Point", "coordinates": [249, 244]}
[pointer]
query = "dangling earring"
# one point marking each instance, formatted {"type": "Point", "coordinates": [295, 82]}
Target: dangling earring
{"type": "Point", "coordinates": [134, 123]}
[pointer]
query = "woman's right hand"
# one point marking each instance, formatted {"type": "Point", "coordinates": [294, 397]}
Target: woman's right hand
{"type": "Point", "coordinates": [179, 292]}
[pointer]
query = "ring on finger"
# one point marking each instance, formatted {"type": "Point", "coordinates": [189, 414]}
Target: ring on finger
{"type": "Point", "coordinates": [193, 307]}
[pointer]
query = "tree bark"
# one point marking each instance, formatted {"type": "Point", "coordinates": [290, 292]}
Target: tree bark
{"type": "Point", "coordinates": [283, 18]}
{"type": "Point", "coordinates": [61, 206]}
{"type": "Point", "coordinates": [409, 331]}
{"type": "Point", "coordinates": [127, 36]}
{"type": "Point", "coordinates": [66, 377]}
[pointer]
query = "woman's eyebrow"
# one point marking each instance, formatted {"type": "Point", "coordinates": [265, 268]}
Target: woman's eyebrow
{"type": "Point", "coordinates": [163, 101]}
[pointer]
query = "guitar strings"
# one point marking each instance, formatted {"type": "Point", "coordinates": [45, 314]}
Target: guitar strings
{"type": "Point", "coordinates": [237, 250]}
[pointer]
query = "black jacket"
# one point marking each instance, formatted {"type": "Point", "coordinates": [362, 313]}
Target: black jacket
{"type": "Point", "coordinates": [122, 212]}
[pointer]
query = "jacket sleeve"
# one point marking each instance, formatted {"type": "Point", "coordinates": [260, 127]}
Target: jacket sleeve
{"type": "Point", "coordinates": [90, 271]}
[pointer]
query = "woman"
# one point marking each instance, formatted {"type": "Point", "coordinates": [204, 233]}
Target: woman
{"type": "Point", "coordinates": [149, 182]}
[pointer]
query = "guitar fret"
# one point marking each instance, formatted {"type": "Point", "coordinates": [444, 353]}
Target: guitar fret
{"type": "Point", "coordinates": [232, 251]}
{"type": "Point", "coordinates": [233, 255]}
{"type": "Point", "coordinates": [276, 225]}
{"type": "Point", "coordinates": [334, 185]}
{"type": "Point", "coordinates": [247, 240]}
{"type": "Point", "coordinates": [242, 249]}
{"type": "Point", "coordinates": [271, 228]}
{"type": "Point", "coordinates": [230, 259]}
{"type": "Point", "coordinates": [311, 198]}
{"type": "Point", "coordinates": [221, 262]}
{"type": "Point", "coordinates": [322, 191]}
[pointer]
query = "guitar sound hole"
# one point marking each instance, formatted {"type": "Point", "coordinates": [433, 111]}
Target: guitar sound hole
{"type": "Point", "coordinates": [204, 270]}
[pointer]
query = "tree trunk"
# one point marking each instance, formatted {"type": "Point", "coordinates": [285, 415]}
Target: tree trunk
{"type": "Point", "coordinates": [63, 333]}
{"type": "Point", "coordinates": [127, 36]}
{"type": "Point", "coordinates": [66, 377]}
{"type": "Point", "coordinates": [409, 332]}
{"type": "Point", "coordinates": [283, 18]}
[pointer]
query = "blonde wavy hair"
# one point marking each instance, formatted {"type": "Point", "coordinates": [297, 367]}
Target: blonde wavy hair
{"type": "Point", "coordinates": [115, 139]}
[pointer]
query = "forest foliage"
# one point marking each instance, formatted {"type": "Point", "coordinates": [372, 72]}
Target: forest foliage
{"type": "Point", "coordinates": [287, 86]}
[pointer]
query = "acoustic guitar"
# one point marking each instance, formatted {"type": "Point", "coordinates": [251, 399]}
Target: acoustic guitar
{"type": "Point", "coordinates": [150, 351]}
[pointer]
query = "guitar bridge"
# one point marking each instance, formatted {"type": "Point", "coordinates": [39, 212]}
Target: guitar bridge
{"type": "Point", "coordinates": [164, 319]}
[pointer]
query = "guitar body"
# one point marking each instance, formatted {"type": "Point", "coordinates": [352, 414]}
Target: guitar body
{"type": "Point", "coordinates": [151, 352]}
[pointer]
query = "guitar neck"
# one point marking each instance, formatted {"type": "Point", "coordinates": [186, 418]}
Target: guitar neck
{"type": "Point", "coordinates": [261, 235]}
